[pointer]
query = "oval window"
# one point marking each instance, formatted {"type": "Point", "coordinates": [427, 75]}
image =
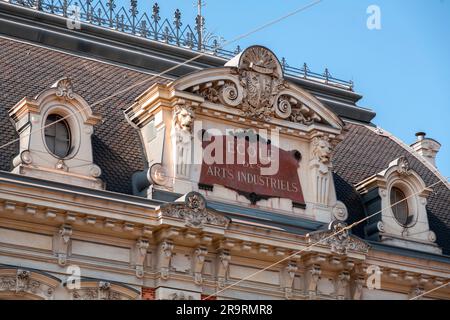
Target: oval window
{"type": "Point", "coordinates": [57, 135]}
{"type": "Point", "coordinates": [400, 206]}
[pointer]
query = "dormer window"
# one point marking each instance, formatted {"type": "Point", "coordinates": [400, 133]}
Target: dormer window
{"type": "Point", "coordinates": [400, 208]}
{"type": "Point", "coordinates": [396, 199]}
{"type": "Point", "coordinates": [55, 130]}
{"type": "Point", "coordinates": [57, 136]}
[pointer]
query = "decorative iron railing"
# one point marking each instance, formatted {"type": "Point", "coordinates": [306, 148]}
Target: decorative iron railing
{"type": "Point", "coordinates": [106, 13]}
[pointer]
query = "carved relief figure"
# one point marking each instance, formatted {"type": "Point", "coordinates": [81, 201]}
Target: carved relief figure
{"type": "Point", "coordinates": [183, 120]}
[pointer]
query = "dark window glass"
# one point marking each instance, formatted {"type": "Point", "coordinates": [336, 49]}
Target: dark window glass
{"type": "Point", "coordinates": [400, 209]}
{"type": "Point", "coordinates": [57, 136]}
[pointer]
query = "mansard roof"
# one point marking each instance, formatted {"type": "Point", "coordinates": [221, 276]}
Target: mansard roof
{"type": "Point", "coordinates": [28, 69]}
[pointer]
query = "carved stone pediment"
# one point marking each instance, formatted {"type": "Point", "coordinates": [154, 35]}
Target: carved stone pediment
{"type": "Point", "coordinates": [192, 209]}
{"type": "Point", "coordinates": [338, 239]}
{"type": "Point", "coordinates": [253, 83]}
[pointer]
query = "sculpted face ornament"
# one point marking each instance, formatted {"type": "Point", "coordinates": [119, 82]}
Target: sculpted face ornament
{"type": "Point", "coordinates": [322, 149]}
{"type": "Point", "coordinates": [184, 118]}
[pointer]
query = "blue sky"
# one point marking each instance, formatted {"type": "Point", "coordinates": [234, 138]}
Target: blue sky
{"type": "Point", "coordinates": [402, 70]}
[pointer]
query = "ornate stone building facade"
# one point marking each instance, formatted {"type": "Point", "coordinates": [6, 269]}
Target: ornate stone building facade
{"type": "Point", "coordinates": [106, 192]}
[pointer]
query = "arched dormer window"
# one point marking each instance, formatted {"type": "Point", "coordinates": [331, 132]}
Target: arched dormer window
{"type": "Point", "coordinates": [55, 130]}
{"type": "Point", "coordinates": [400, 195]}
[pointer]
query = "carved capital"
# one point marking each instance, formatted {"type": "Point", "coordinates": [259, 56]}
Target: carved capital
{"type": "Point", "coordinates": [321, 150]}
{"type": "Point", "coordinates": [416, 293]}
{"type": "Point", "coordinates": [103, 290]}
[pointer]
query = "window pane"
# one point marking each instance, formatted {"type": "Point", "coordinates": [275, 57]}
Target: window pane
{"type": "Point", "coordinates": [57, 135]}
{"type": "Point", "coordinates": [399, 209]}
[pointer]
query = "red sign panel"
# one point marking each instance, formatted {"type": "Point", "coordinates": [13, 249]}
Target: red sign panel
{"type": "Point", "coordinates": [243, 166]}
